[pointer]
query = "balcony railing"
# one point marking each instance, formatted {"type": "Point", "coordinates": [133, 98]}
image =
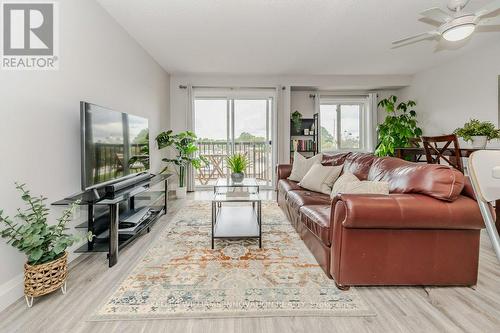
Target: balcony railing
{"type": "Point", "coordinates": [258, 154]}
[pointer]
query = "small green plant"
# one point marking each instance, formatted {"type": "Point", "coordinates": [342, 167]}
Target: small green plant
{"type": "Point", "coordinates": [32, 235]}
{"type": "Point", "coordinates": [237, 163]}
{"type": "Point", "coordinates": [475, 127]}
{"type": "Point", "coordinates": [297, 120]}
{"type": "Point", "coordinates": [399, 126]}
{"type": "Point", "coordinates": [185, 145]}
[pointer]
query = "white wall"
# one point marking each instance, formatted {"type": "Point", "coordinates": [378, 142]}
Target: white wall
{"type": "Point", "coordinates": [301, 102]}
{"type": "Point", "coordinates": [448, 96]}
{"type": "Point", "coordinates": [179, 98]}
{"type": "Point", "coordinates": [39, 126]}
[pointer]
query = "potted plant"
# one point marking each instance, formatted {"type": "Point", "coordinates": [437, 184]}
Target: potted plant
{"type": "Point", "coordinates": [297, 121]}
{"type": "Point", "coordinates": [237, 164]}
{"type": "Point", "coordinates": [399, 126]}
{"type": "Point", "coordinates": [478, 132]}
{"type": "Point", "coordinates": [45, 245]}
{"type": "Point", "coordinates": [185, 145]}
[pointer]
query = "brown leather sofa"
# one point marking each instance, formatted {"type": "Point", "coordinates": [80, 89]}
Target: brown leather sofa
{"type": "Point", "coordinates": [426, 232]}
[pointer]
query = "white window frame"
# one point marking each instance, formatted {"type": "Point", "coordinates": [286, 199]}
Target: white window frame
{"type": "Point", "coordinates": [363, 122]}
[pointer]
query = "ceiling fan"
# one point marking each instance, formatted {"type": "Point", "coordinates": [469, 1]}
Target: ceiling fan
{"type": "Point", "coordinates": [454, 26]}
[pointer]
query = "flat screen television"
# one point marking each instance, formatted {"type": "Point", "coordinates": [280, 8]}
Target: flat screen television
{"type": "Point", "coordinates": [115, 145]}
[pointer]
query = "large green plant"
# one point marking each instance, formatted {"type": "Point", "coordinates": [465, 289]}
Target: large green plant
{"type": "Point", "coordinates": [475, 127]}
{"type": "Point", "coordinates": [399, 126]}
{"type": "Point", "coordinates": [31, 234]}
{"type": "Point", "coordinates": [237, 163]}
{"type": "Point", "coordinates": [185, 145]}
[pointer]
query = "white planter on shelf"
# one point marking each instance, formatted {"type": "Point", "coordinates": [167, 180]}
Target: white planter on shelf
{"type": "Point", "coordinates": [479, 142]}
{"type": "Point", "coordinates": [180, 192]}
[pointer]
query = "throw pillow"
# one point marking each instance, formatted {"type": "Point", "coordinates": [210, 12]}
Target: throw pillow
{"type": "Point", "coordinates": [339, 185]}
{"type": "Point", "coordinates": [321, 178]}
{"type": "Point", "coordinates": [366, 187]}
{"type": "Point", "coordinates": [301, 165]}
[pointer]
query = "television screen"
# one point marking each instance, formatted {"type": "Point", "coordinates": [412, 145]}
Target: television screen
{"type": "Point", "coordinates": [115, 145]}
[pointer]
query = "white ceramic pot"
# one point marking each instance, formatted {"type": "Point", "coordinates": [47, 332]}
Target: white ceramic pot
{"type": "Point", "coordinates": [180, 192]}
{"type": "Point", "coordinates": [479, 142]}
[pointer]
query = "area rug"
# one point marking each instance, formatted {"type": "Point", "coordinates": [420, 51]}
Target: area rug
{"type": "Point", "coordinates": [180, 276]}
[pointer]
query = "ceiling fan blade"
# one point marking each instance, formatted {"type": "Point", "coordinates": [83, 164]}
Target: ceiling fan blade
{"type": "Point", "coordinates": [489, 21]}
{"type": "Point", "coordinates": [437, 14]}
{"type": "Point", "coordinates": [408, 39]}
{"type": "Point", "coordinates": [489, 8]}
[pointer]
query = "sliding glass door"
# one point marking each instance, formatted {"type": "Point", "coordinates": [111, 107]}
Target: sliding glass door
{"type": "Point", "coordinates": [211, 127]}
{"type": "Point", "coordinates": [227, 126]}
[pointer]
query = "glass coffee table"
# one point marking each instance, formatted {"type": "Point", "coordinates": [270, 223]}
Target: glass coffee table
{"type": "Point", "coordinates": [236, 217]}
{"type": "Point", "coordinates": [224, 185]}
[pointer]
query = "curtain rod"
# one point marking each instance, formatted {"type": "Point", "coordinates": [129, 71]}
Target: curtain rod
{"type": "Point", "coordinates": [341, 94]}
{"type": "Point", "coordinates": [229, 87]}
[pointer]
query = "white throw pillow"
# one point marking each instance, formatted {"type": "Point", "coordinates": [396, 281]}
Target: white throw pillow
{"type": "Point", "coordinates": [321, 178]}
{"type": "Point", "coordinates": [301, 165]}
{"type": "Point", "coordinates": [339, 185]}
{"type": "Point", "coordinates": [350, 184]}
{"type": "Point", "coordinates": [367, 187]}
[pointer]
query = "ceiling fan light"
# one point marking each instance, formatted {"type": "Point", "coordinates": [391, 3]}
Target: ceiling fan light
{"type": "Point", "coordinates": [459, 32]}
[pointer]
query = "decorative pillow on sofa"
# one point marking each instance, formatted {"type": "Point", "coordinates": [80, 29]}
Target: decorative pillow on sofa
{"type": "Point", "coordinates": [320, 178]}
{"type": "Point", "coordinates": [350, 184]}
{"type": "Point", "coordinates": [366, 187]}
{"type": "Point", "coordinates": [301, 165]}
{"type": "Point", "coordinates": [341, 182]}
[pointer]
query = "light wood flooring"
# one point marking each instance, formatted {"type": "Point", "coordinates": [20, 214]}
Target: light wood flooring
{"type": "Point", "coordinates": [399, 309]}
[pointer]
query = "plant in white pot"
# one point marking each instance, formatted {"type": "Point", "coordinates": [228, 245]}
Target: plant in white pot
{"type": "Point", "coordinates": [478, 132]}
{"type": "Point", "coordinates": [185, 145]}
{"type": "Point", "coordinates": [45, 245]}
{"type": "Point", "coordinates": [237, 163]}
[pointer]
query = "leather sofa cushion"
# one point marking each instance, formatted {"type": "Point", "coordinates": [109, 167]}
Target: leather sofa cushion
{"type": "Point", "coordinates": [317, 219]}
{"type": "Point", "coordinates": [437, 181]}
{"type": "Point", "coordinates": [299, 198]}
{"type": "Point", "coordinates": [335, 159]}
{"type": "Point", "coordinates": [359, 164]}
{"type": "Point", "coordinates": [285, 185]}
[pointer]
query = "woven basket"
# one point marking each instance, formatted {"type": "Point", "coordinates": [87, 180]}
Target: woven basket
{"type": "Point", "coordinates": [45, 278]}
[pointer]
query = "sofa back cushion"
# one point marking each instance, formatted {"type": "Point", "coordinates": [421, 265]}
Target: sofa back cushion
{"type": "Point", "coordinates": [438, 181]}
{"type": "Point", "coordinates": [358, 164]}
{"type": "Point", "coordinates": [334, 159]}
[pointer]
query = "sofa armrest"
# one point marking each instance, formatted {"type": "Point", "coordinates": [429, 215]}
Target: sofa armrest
{"type": "Point", "coordinates": [284, 171]}
{"type": "Point", "coordinates": [468, 190]}
{"type": "Point", "coordinates": [405, 211]}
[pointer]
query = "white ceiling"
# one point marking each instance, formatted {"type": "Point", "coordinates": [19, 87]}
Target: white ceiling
{"type": "Point", "coordinates": [288, 36]}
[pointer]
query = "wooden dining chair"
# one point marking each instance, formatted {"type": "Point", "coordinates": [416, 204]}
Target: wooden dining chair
{"type": "Point", "coordinates": [412, 143]}
{"type": "Point", "coordinates": [449, 151]}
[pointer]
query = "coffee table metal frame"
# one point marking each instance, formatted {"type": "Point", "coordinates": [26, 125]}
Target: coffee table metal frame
{"type": "Point", "coordinates": [217, 207]}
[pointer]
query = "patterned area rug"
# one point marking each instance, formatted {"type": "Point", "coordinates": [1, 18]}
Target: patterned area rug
{"type": "Point", "coordinates": [182, 277]}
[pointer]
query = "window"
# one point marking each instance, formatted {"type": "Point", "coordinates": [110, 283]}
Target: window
{"type": "Point", "coordinates": [342, 125]}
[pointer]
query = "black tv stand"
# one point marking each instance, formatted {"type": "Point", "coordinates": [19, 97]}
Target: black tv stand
{"type": "Point", "coordinates": [104, 210]}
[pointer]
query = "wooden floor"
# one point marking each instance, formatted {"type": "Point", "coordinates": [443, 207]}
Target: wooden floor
{"type": "Point", "coordinates": [399, 309]}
